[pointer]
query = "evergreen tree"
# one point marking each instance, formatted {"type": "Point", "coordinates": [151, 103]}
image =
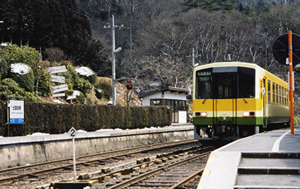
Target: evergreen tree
{"type": "Point", "coordinates": [100, 9]}
{"type": "Point", "coordinates": [92, 55]}
{"type": "Point", "coordinates": [9, 16]}
{"type": "Point", "coordinates": [209, 5]}
{"type": "Point", "coordinates": [228, 6]}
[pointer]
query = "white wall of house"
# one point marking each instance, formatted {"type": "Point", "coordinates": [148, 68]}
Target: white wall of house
{"type": "Point", "coordinates": [167, 95]}
{"type": "Point", "coordinates": [182, 115]}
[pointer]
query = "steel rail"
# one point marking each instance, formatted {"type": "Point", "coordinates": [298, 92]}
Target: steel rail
{"type": "Point", "coordinates": [148, 148]}
{"type": "Point", "coordinates": [108, 155]}
{"type": "Point", "coordinates": [188, 179]}
{"type": "Point", "coordinates": [154, 172]}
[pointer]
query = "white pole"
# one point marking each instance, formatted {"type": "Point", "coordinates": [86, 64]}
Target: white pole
{"type": "Point", "coordinates": [74, 161]}
{"type": "Point", "coordinates": [113, 51]}
{"type": "Point", "coordinates": [193, 56]}
{"type": "Point", "coordinates": [113, 62]}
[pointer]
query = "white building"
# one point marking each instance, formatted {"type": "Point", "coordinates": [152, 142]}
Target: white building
{"type": "Point", "coordinates": [169, 96]}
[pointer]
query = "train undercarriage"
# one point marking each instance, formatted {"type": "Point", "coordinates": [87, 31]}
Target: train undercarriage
{"type": "Point", "coordinates": [224, 132]}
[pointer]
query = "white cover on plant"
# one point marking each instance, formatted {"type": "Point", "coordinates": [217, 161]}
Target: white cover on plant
{"type": "Point", "coordinates": [84, 71]}
{"type": "Point", "coordinates": [20, 68]}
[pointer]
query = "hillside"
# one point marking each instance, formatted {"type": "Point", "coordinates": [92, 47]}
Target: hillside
{"type": "Point", "coordinates": [121, 96]}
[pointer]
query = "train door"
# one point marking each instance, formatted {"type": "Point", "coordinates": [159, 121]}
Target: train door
{"type": "Point", "coordinates": [225, 94]}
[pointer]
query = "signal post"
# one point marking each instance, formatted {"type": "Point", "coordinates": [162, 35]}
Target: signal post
{"type": "Point", "coordinates": [291, 83]}
{"type": "Point", "coordinates": [286, 50]}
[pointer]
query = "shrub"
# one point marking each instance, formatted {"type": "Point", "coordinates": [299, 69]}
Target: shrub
{"type": "Point", "coordinates": [80, 99]}
{"type": "Point", "coordinates": [25, 81]}
{"type": "Point", "coordinates": [3, 67]}
{"type": "Point", "coordinates": [59, 118]}
{"type": "Point", "coordinates": [99, 93]}
{"type": "Point", "coordinates": [105, 86]}
{"type": "Point", "coordinates": [297, 120]}
{"type": "Point", "coordinates": [91, 79]}
{"type": "Point", "coordinates": [83, 85]}
{"type": "Point", "coordinates": [11, 88]}
{"type": "Point", "coordinates": [44, 83]}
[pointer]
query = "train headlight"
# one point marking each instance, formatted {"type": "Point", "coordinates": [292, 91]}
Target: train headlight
{"type": "Point", "coordinates": [201, 114]}
{"type": "Point", "coordinates": [247, 114]}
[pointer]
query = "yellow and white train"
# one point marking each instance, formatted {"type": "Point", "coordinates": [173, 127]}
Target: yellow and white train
{"type": "Point", "coordinates": [236, 99]}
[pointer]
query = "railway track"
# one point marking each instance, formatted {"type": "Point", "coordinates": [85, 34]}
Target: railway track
{"type": "Point", "coordinates": [175, 174]}
{"type": "Point", "coordinates": [171, 170]}
{"type": "Point", "coordinates": [32, 174]}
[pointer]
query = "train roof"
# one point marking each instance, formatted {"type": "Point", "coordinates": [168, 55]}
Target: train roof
{"type": "Point", "coordinates": [226, 64]}
{"type": "Point", "coordinates": [237, 64]}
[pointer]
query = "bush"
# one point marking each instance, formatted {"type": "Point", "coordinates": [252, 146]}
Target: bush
{"type": "Point", "coordinates": [80, 99]}
{"type": "Point", "coordinates": [297, 120]}
{"type": "Point", "coordinates": [45, 84]}
{"type": "Point", "coordinates": [91, 79]}
{"type": "Point", "coordinates": [59, 118]}
{"type": "Point", "coordinates": [11, 88]}
{"type": "Point", "coordinates": [99, 93]}
{"type": "Point", "coordinates": [3, 67]}
{"type": "Point", "coordinates": [105, 86]}
{"type": "Point", "coordinates": [83, 85]}
{"type": "Point", "coordinates": [25, 81]}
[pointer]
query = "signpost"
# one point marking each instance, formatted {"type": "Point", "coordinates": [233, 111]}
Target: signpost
{"type": "Point", "coordinates": [287, 46]}
{"type": "Point", "coordinates": [60, 88]}
{"type": "Point", "coordinates": [58, 79]}
{"type": "Point", "coordinates": [72, 132]}
{"type": "Point", "coordinates": [57, 69]}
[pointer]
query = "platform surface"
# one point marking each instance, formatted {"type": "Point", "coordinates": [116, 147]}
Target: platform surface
{"type": "Point", "coordinates": [266, 160]}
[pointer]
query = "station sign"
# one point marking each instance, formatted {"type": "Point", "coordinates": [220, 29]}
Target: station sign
{"type": "Point", "coordinates": [16, 112]}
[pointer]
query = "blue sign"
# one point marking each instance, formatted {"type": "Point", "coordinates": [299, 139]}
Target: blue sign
{"type": "Point", "coordinates": [16, 121]}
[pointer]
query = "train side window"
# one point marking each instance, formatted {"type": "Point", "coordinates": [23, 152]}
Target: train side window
{"type": "Point", "coordinates": [269, 91]}
{"type": "Point", "coordinates": [276, 94]}
{"type": "Point", "coordinates": [279, 95]}
{"type": "Point", "coordinates": [273, 91]}
{"type": "Point", "coordinates": [283, 99]}
{"type": "Point", "coordinates": [284, 96]}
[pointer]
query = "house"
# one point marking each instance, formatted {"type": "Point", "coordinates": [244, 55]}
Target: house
{"type": "Point", "coordinates": [168, 96]}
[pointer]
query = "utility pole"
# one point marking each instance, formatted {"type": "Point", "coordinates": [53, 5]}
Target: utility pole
{"type": "Point", "coordinates": [113, 51]}
{"type": "Point", "coordinates": [193, 56]}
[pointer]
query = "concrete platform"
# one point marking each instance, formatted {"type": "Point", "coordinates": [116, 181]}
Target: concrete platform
{"type": "Point", "coordinates": [21, 151]}
{"type": "Point", "coordinates": [265, 160]}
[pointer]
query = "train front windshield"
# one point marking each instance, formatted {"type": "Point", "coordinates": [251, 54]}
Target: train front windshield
{"type": "Point", "coordinates": [225, 83]}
